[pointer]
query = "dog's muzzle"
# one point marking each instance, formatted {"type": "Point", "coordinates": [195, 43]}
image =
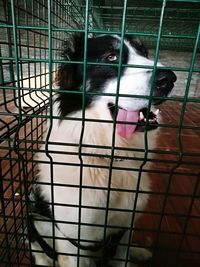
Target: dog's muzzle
{"type": "Point", "coordinates": [129, 121]}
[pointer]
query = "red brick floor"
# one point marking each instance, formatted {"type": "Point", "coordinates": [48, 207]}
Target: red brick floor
{"type": "Point", "coordinates": [178, 243]}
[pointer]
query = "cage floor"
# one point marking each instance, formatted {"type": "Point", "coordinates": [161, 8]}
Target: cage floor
{"type": "Point", "coordinates": [178, 241]}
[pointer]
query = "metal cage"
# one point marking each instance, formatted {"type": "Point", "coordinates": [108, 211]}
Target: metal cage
{"type": "Point", "coordinates": [31, 37]}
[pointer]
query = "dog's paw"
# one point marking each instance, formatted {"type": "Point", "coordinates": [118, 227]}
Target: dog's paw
{"type": "Point", "coordinates": [65, 261]}
{"type": "Point", "coordinates": [140, 254]}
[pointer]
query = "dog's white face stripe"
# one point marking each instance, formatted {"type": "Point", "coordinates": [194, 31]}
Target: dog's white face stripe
{"type": "Point", "coordinates": [134, 81]}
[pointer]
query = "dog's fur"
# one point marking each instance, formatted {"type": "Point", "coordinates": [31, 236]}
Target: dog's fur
{"type": "Point", "coordinates": [60, 169]}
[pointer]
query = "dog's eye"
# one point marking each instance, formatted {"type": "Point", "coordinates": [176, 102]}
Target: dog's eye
{"type": "Point", "coordinates": [111, 57]}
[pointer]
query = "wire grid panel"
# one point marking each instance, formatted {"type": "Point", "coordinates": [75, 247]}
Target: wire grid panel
{"type": "Point", "coordinates": [24, 101]}
{"type": "Point", "coordinates": [143, 18]}
{"type": "Point", "coordinates": [34, 32]}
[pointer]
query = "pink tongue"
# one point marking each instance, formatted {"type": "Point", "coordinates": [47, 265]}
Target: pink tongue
{"type": "Point", "coordinates": [125, 129]}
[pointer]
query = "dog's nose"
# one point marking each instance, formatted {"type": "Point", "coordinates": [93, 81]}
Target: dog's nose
{"type": "Point", "coordinates": [164, 82]}
{"type": "Point", "coordinates": [164, 78]}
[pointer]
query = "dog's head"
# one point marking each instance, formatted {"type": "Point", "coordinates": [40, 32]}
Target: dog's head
{"type": "Point", "coordinates": [102, 81]}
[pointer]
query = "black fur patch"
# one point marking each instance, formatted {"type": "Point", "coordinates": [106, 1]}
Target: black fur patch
{"type": "Point", "coordinates": [38, 204]}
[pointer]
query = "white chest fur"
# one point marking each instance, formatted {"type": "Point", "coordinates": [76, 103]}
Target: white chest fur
{"type": "Point", "coordinates": [70, 188]}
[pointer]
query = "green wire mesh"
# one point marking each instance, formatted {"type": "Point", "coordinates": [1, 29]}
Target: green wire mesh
{"type": "Point", "coordinates": [142, 19]}
{"type": "Point", "coordinates": [31, 37]}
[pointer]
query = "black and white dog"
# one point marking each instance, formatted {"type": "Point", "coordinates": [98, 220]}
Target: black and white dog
{"type": "Point", "coordinates": [60, 175]}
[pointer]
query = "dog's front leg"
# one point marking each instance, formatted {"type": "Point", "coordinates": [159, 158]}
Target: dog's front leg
{"type": "Point", "coordinates": [71, 260]}
{"type": "Point", "coordinates": [135, 253]}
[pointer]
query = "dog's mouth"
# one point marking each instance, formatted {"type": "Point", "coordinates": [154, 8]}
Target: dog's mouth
{"type": "Point", "coordinates": [128, 122]}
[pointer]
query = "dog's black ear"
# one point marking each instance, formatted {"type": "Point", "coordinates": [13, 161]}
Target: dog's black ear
{"type": "Point", "coordinates": [68, 75]}
{"type": "Point", "coordinates": [65, 77]}
{"type": "Point", "coordinates": [74, 47]}
{"type": "Point", "coordinates": [138, 45]}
